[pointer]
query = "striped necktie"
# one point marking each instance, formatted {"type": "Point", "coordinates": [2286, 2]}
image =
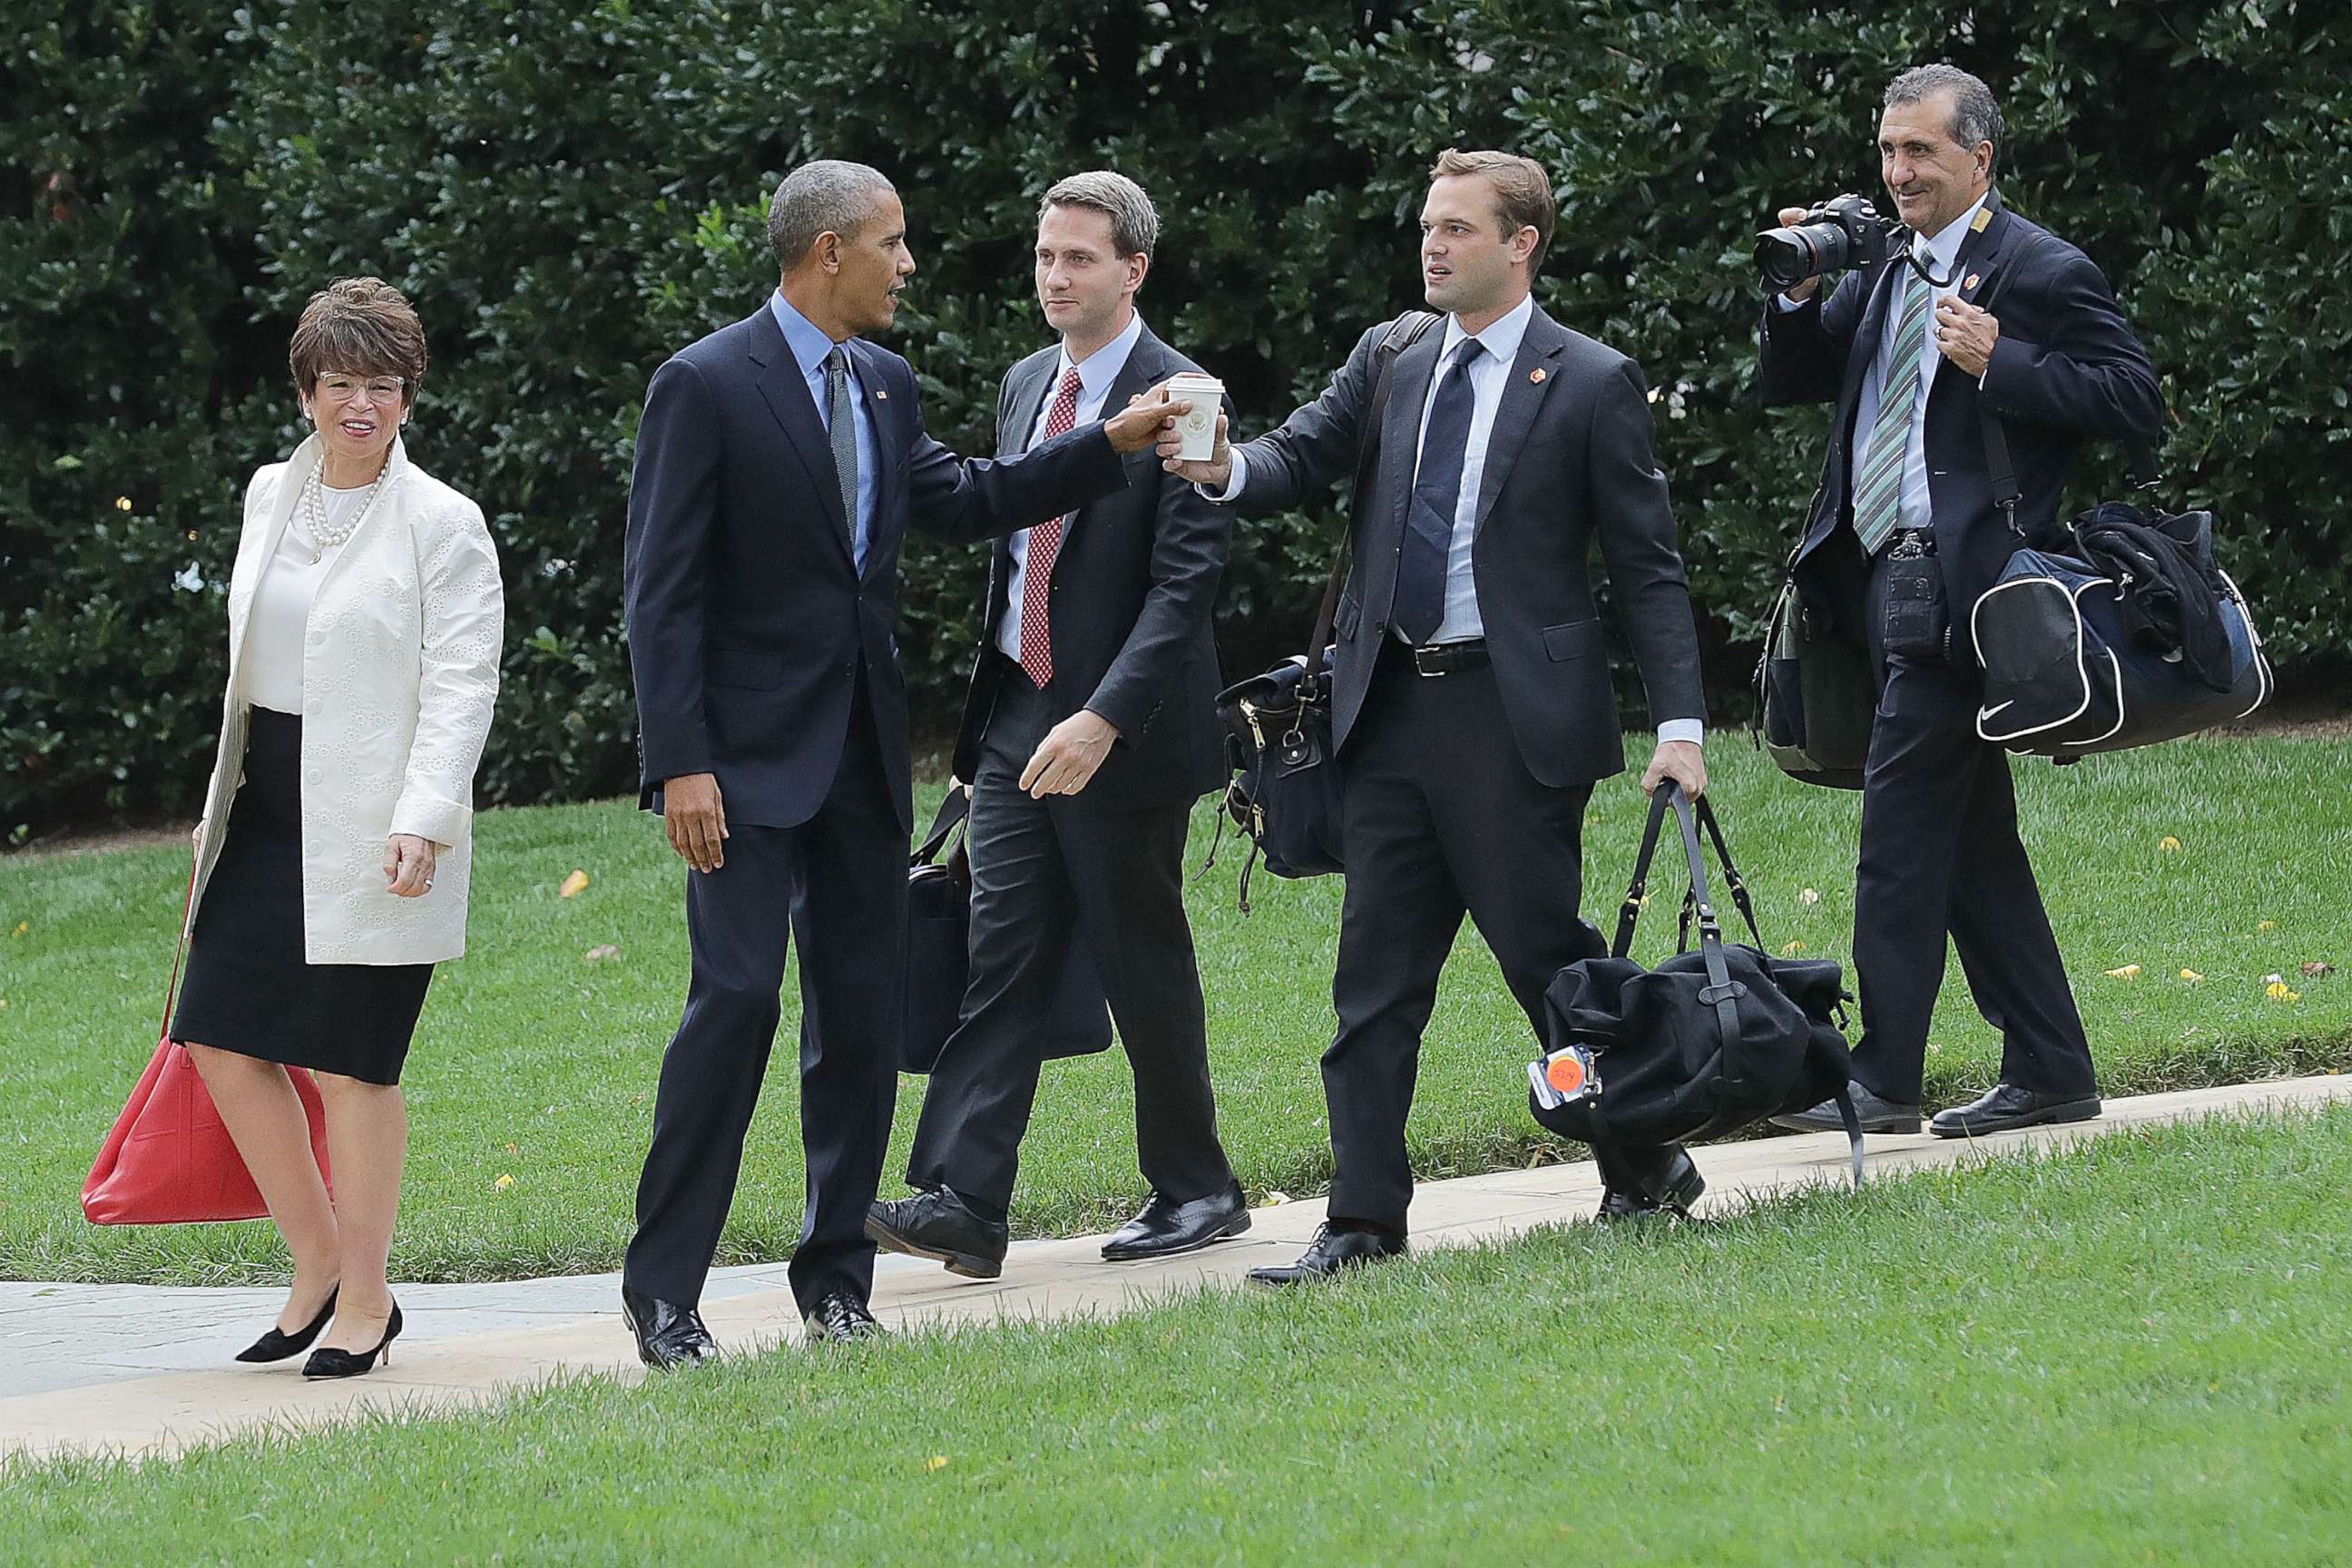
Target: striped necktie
{"type": "Point", "coordinates": [1878, 490]}
{"type": "Point", "coordinates": [1045, 547]}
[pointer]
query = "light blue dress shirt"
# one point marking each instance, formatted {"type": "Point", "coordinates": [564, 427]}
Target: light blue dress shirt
{"type": "Point", "coordinates": [1095, 376]}
{"type": "Point", "coordinates": [808, 346]}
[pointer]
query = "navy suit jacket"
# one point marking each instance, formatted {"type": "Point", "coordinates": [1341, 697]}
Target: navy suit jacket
{"type": "Point", "coordinates": [1133, 589]}
{"type": "Point", "coordinates": [1568, 462]}
{"type": "Point", "coordinates": [749, 622]}
{"type": "Point", "coordinates": [2065, 367]}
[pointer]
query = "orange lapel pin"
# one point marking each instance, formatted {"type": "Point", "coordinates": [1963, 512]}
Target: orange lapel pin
{"type": "Point", "coordinates": [1535, 375]}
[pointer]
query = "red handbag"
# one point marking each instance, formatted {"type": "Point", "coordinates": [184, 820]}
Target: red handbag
{"type": "Point", "coordinates": [168, 1160]}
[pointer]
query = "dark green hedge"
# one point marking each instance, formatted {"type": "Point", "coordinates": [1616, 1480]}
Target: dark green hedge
{"type": "Point", "coordinates": [570, 191]}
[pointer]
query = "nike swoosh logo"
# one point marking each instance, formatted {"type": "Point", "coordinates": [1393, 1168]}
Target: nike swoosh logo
{"type": "Point", "coordinates": [1985, 713]}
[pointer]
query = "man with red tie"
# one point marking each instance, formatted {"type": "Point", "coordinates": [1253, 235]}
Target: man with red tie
{"type": "Point", "coordinates": [1090, 731]}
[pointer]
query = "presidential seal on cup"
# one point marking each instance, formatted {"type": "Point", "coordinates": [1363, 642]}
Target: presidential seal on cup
{"type": "Point", "coordinates": [1197, 425]}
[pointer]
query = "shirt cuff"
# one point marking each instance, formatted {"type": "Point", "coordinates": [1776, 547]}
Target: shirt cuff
{"type": "Point", "coordinates": [1691, 730]}
{"type": "Point", "coordinates": [1782, 304]}
{"type": "Point", "coordinates": [1233, 481]}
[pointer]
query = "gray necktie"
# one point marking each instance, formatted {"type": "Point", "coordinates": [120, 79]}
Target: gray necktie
{"type": "Point", "coordinates": [843, 431]}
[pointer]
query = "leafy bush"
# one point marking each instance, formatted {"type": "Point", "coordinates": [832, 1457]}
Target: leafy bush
{"type": "Point", "coordinates": [571, 192]}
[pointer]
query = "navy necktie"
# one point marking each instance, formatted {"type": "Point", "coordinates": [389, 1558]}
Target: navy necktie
{"type": "Point", "coordinates": [1436, 491]}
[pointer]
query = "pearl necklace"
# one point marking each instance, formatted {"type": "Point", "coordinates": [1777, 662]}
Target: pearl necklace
{"type": "Point", "coordinates": [324, 538]}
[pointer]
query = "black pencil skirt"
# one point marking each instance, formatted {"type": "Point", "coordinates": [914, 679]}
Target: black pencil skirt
{"type": "Point", "coordinates": [248, 987]}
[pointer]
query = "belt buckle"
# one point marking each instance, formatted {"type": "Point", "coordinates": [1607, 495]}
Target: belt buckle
{"type": "Point", "coordinates": [1422, 668]}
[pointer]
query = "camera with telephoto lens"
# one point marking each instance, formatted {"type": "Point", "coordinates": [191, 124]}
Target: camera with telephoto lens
{"type": "Point", "coordinates": [1844, 231]}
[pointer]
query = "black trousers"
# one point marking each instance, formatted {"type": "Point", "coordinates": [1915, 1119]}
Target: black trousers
{"type": "Point", "coordinates": [1442, 819]}
{"type": "Point", "coordinates": [836, 884]}
{"type": "Point", "coordinates": [1940, 853]}
{"type": "Point", "coordinates": [1041, 870]}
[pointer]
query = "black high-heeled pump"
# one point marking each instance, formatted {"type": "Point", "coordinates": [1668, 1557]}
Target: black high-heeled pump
{"type": "Point", "coordinates": [277, 1346]}
{"type": "Point", "coordinates": [328, 1361]}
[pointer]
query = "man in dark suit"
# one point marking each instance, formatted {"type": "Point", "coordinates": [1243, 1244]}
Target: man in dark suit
{"type": "Point", "coordinates": [778, 463]}
{"type": "Point", "coordinates": [1090, 730]}
{"type": "Point", "coordinates": [1472, 707]}
{"type": "Point", "coordinates": [1908, 504]}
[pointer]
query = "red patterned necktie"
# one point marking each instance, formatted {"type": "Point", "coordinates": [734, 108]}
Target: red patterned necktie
{"type": "Point", "coordinates": [1044, 544]}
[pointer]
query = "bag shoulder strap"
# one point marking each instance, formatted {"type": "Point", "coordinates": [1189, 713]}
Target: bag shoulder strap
{"type": "Point", "coordinates": [2006, 491]}
{"type": "Point", "coordinates": [179, 953]}
{"type": "Point", "coordinates": [1403, 333]}
{"type": "Point", "coordinates": [952, 811]}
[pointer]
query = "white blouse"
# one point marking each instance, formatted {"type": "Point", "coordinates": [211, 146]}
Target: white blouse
{"type": "Point", "coordinates": [281, 602]}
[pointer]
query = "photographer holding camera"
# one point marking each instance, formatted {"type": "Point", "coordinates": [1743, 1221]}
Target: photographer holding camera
{"type": "Point", "coordinates": [1906, 536]}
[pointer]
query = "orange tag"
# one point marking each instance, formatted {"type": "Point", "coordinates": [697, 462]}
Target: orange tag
{"type": "Point", "coordinates": [1565, 1073]}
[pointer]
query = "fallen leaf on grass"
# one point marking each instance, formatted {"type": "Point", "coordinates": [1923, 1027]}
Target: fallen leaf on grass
{"type": "Point", "coordinates": [2168, 844]}
{"type": "Point", "coordinates": [1275, 1198]}
{"type": "Point", "coordinates": [1791, 949]}
{"type": "Point", "coordinates": [2277, 992]}
{"type": "Point", "coordinates": [2266, 925]}
{"type": "Point", "coordinates": [573, 885]}
{"type": "Point", "coordinates": [22, 927]}
{"type": "Point", "coordinates": [2315, 969]}
{"type": "Point", "coordinates": [504, 1181]}
{"type": "Point", "coordinates": [600, 953]}
{"type": "Point", "coordinates": [2191, 976]}
{"type": "Point", "coordinates": [1810, 897]}
{"type": "Point", "coordinates": [936, 1462]}
{"type": "Point", "coordinates": [2128, 972]}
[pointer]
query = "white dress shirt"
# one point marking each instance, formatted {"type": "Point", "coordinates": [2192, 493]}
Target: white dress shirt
{"type": "Point", "coordinates": [1941, 252]}
{"type": "Point", "coordinates": [281, 602]}
{"type": "Point", "coordinates": [1489, 373]}
{"type": "Point", "coordinates": [1096, 373]}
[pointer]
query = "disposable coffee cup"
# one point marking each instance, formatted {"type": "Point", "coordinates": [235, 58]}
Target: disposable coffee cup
{"type": "Point", "coordinates": [1198, 427]}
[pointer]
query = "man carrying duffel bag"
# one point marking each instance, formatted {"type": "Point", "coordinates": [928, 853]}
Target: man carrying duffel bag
{"type": "Point", "coordinates": [1907, 536]}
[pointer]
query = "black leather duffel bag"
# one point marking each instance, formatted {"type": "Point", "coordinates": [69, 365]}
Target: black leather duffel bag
{"type": "Point", "coordinates": [938, 958]}
{"type": "Point", "coordinates": [1708, 1042]}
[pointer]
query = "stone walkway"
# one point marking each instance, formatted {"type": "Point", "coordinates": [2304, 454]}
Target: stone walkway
{"type": "Point", "coordinates": [146, 1370]}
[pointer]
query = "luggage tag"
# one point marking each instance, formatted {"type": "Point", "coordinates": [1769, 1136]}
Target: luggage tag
{"type": "Point", "coordinates": [1563, 1076]}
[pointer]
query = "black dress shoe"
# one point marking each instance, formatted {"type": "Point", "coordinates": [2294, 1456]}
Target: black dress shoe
{"type": "Point", "coordinates": [840, 1318]}
{"type": "Point", "coordinates": [275, 1346]}
{"type": "Point", "coordinates": [1334, 1250]}
{"type": "Point", "coordinates": [1672, 1193]}
{"type": "Point", "coordinates": [1877, 1115]}
{"type": "Point", "coordinates": [1164, 1228]}
{"type": "Point", "coordinates": [667, 1334]}
{"type": "Point", "coordinates": [2006, 1105]}
{"type": "Point", "coordinates": [327, 1362]}
{"type": "Point", "coordinates": [942, 1227]}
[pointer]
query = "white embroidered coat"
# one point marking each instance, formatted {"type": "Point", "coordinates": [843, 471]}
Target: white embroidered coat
{"type": "Point", "coordinates": [400, 671]}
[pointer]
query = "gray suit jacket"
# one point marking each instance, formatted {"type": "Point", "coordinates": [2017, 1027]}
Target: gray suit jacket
{"type": "Point", "coordinates": [1568, 462]}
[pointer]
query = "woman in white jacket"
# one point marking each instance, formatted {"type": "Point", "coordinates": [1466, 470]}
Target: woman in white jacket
{"type": "Point", "coordinates": [365, 619]}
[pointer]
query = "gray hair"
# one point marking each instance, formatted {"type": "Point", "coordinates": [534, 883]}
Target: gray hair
{"type": "Point", "coordinates": [1134, 225]}
{"type": "Point", "coordinates": [1975, 116]}
{"type": "Point", "coordinates": [824, 196]}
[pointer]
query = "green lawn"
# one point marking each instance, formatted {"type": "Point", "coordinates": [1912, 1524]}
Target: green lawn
{"type": "Point", "coordinates": [537, 1063]}
{"type": "Point", "coordinates": [2130, 1353]}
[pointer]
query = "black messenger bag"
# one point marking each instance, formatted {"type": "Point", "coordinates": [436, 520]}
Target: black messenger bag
{"type": "Point", "coordinates": [938, 959]}
{"type": "Point", "coordinates": [1815, 700]}
{"type": "Point", "coordinates": [1285, 793]}
{"type": "Point", "coordinates": [1708, 1042]}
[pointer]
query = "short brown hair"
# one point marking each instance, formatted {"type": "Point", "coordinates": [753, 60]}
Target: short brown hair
{"type": "Point", "coordinates": [364, 326]}
{"type": "Point", "coordinates": [1134, 225]}
{"type": "Point", "coordinates": [1522, 193]}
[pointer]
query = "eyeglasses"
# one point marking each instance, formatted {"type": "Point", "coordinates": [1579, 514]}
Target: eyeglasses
{"type": "Point", "coordinates": [343, 388]}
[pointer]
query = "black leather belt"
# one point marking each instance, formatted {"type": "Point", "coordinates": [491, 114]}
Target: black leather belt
{"type": "Point", "coordinates": [1451, 657]}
